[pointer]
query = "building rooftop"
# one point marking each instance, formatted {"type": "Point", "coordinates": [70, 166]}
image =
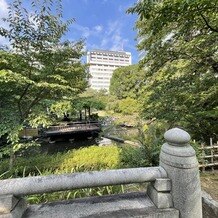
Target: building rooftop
{"type": "Point", "coordinates": [108, 51]}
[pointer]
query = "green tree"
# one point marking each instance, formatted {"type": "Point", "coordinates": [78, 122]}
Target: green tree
{"type": "Point", "coordinates": [61, 108]}
{"type": "Point", "coordinates": [127, 82]}
{"type": "Point", "coordinates": [88, 103]}
{"type": "Point", "coordinates": [98, 95]}
{"type": "Point", "coordinates": [180, 39]}
{"type": "Point", "coordinates": [40, 67]}
{"type": "Point", "coordinates": [128, 106]}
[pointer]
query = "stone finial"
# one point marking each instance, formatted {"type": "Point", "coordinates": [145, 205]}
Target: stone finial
{"type": "Point", "coordinates": [179, 160]}
{"type": "Point", "coordinates": [177, 137]}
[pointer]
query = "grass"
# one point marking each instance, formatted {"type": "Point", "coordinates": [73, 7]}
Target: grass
{"type": "Point", "coordinates": [76, 160]}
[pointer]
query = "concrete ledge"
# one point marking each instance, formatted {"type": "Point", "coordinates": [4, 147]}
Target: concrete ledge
{"type": "Point", "coordinates": [210, 206]}
{"type": "Point", "coordinates": [113, 206]}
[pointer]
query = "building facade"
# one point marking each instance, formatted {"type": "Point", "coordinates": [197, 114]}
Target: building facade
{"type": "Point", "coordinates": [102, 63]}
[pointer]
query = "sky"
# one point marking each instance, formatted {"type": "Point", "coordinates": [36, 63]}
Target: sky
{"type": "Point", "coordinates": [103, 24]}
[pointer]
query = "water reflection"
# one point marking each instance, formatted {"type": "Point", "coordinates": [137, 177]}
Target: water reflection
{"type": "Point", "coordinates": [63, 146]}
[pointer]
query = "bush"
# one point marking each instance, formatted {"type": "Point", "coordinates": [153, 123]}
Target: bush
{"type": "Point", "coordinates": [77, 193]}
{"type": "Point", "coordinates": [151, 139]}
{"type": "Point", "coordinates": [92, 158]}
{"type": "Point", "coordinates": [132, 157]}
{"type": "Point", "coordinates": [128, 106]}
{"type": "Point", "coordinates": [31, 166]}
{"type": "Point", "coordinates": [84, 159]}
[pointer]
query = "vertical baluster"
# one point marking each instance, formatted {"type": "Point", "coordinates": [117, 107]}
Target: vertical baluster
{"type": "Point", "coordinates": [211, 153]}
{"type": "Point", "coordinates": [203, 157]}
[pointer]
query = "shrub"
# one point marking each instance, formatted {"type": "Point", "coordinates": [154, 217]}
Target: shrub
{"type": "Point", "coordinates": [84, 159]}
{"type": "Point", "coordinates": [132, 157]}
{"type": "Point", "coordinates": [92, 158]}
{"type": "Point", "coordinates": [31, 165]}
{"type": "Point", "coordinates": [77, 193]}
{"type": "Point", "coordinates": [151, 139]}
{"type": "Point", "coordinates": [128, 106]}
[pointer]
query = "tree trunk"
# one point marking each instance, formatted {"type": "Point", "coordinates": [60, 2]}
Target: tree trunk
{"type": "Point", "coordinates": [80, 115]}
{"type": "Point", "coordinates": [85, 114]}
{"type": "Point", "coordinates": [89, 111]}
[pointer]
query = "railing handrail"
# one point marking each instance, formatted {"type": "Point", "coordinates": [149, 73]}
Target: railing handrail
{"type": "Point", "coordinates": [52, 183]}
{"type": "Point", "coordinates": [77, 126]}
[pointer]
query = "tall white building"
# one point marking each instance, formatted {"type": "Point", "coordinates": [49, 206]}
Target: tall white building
{"type": "Point", "coordinates": [102, 63]}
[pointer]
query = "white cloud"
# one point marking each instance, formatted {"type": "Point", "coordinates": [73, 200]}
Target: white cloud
{"type": "Point", "coordinates": [3, 8]}
{"type": "Point", "coordinates": [3, 14]}
{"type": "Point", "coordinates": [104, 42]}
{"type": "Point", "coordinates": [112, 38]}
{"type": "Point", "coordinates": [98, 28]}
{"type": "Point", "coordinates": [86, 31]}
{"type": "Point", "coordinates": [119, 43]}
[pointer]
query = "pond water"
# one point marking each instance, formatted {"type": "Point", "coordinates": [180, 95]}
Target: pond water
{"type": "Point", "coordinates": [63, 145]}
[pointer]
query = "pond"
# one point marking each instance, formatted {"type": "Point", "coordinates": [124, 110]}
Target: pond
{"type": "Point", "coordinates": [63, 144]}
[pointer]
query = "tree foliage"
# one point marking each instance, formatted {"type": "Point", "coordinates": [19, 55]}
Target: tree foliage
{"type": "Point", "coordinates": [180, 39]}
{"type": "Point", "coordinates": [127, 82]}
{"type": "Point", "coordinates": [88, 102]}
{"type": "Point", "coordinates": [128, 106]}
{"type": "Point", "coordinates": [40, 67]}
{"type": "Point", "coordinates": [62, 107]}
{"type": "Point", "coordinates": [95, 99]}
{"type": "Point", "coordinates": [126, 85]}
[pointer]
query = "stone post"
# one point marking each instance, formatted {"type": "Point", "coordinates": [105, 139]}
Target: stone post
{"type": "Point", "coordinates": [179, 160]}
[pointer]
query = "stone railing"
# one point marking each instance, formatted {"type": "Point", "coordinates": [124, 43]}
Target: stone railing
{"type": "Point", "coordinates": [174, 184]}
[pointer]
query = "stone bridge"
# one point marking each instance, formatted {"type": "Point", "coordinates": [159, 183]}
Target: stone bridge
{"type": "Point", "coordinates": [173, 191]}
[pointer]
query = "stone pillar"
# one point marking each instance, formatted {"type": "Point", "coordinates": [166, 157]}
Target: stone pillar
{"type": "Point", "coordinates": [179, 160]}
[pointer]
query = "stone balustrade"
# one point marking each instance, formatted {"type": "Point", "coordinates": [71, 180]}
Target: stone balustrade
{"type": "Point", "coordinates": [174, 188]}
{"type": "Point", "coordinates": [45, 184]}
